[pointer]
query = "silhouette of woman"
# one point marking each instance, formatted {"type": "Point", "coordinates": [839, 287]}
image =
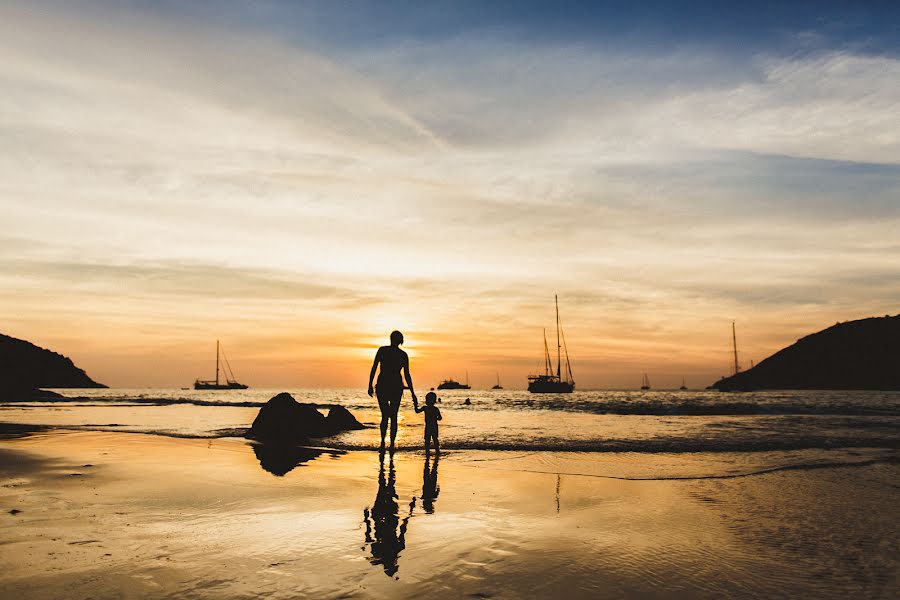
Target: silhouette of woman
{"type": "Point", "coordinates": [390, 383]}
{"type": "Point", "coordinates": [385, 532]}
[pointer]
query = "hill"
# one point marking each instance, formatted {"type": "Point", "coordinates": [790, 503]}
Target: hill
{"type": "Point", "coordinates": [856, 355]}
{"type": "Point", "coordinates": [25, 367]}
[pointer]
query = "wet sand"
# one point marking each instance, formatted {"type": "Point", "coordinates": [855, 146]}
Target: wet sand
{"type": "Point", "coordinates": [118, 515]}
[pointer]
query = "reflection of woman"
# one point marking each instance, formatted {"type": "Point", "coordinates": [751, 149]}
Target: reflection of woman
{"type": "Point", "coordinates": [383, 535]}
{"type": "Point", "coordinates": [390, 383]}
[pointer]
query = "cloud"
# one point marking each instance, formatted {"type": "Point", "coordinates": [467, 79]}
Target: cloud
{"type": "Point", "coordinates": [171, 174]}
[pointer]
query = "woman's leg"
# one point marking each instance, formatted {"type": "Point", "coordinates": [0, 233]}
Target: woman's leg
{"type": "Point", "coordinates": [385, 415]}
{"type": "Point", "coordinates": [395, 408]}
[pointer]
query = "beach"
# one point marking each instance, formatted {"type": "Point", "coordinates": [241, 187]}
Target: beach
{"type": "Point", "coordinates": [102, 514]}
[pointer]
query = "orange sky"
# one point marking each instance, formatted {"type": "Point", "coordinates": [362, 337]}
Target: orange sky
{"type": "Point", "coordinates": [165, 184]}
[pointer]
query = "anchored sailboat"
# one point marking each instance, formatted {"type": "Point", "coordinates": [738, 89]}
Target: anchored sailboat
{"type": "Point", "coordinates": [498, 386]}
{"type": "Point", "coordinates": [230, 382]}
{"type": "Point", "coordinates": [645, 382]}
{"type": "Point", "coordinates": [550, 383]}
{"type": "Point", "coordinates": [683, 386]}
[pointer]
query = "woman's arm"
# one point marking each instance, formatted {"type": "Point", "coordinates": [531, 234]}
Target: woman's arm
{"type": "Point", "coordinates": [372, 372]}
{"type": "Point", "coordinates": [409, 382]}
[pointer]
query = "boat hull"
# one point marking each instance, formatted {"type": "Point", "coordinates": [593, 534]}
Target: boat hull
{"type": "Point", "coordinates": [544, 386]}
{"type": "Point", "coordinates": [453, 385]}
{"type": "Point", "coordinates": [201, 385]}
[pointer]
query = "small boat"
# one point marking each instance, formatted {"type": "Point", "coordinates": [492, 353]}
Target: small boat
{"type": "Point", "coordinates": [550, 382]}
{"type": "Point", "coordinates": [498, 386]}
{"type": "Point", "coordinates": [214, 384]}
{"type": "Point", "coordinates": [452, 384]}
{"type": "Point", "coordinates": [683, 387]}
{"type": "Point", "coordinates": [645, 382]}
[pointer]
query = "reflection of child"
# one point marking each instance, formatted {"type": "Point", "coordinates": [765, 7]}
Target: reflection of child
{"type": "Point", "coordinates": [432, 416]}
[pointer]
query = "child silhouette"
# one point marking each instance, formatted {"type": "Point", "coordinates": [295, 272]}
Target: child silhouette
{"type": "Point", "coordinates": [432, 416]}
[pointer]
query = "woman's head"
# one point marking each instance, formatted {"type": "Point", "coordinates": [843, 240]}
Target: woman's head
{"type": "Point", "coordinates": [396, 338]}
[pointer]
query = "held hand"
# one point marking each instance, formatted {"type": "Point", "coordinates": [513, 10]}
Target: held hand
{"type": "Point", "coordinates": [371, 391]}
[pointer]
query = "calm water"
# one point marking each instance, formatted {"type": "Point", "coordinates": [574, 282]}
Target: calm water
{"type": "Point", "coordinates": [586, 421]}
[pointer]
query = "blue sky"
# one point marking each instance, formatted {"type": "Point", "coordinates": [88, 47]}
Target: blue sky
{"type": "Point", "coordinates": [739, 27]}
{"type": "Point", "coordinates": [300, 178]}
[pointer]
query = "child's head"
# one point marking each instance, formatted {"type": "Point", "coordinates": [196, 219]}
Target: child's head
{"type": "Point", "coordinates": [430, 398]}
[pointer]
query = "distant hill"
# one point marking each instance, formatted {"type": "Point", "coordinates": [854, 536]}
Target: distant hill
{"type": "Point", "coordinates": [856, 355]}
{"type": "Point", "coordinates": [24, 367]}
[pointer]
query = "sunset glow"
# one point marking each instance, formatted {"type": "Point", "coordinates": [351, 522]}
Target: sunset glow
{"type": "Point", "coordinates": [266, 178]}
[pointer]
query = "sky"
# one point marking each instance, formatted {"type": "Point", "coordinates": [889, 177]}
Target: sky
{"type": "Point", "coordinates": [299, 179]}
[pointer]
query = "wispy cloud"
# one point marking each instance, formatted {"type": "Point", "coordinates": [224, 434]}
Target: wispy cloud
{"type": "Point", "coordinates": [169, 175]}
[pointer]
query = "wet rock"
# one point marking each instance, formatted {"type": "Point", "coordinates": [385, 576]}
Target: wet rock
{"type": "Point", "coordinates": [282, 419]}
{"type": "Point", "coordinates": [340, 419]}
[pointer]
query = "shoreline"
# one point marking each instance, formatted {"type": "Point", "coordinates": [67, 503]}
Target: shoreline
{"type": "Point", "coordinates": [14, 429]}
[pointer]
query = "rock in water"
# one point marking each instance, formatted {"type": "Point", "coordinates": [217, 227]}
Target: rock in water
{"type": "Point", "coordinates": [340, 419]}
{"type": "Point", "coordinates": [283, 419]}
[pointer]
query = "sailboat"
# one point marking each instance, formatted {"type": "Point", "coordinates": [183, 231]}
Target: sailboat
{"type": "Point", "coordinates": [645, 382]}
{"type": "Point", "coordinates": [550, 383]}
{"type": "Point", "coordinates": [452, 384]}
{"type": "Point", "coordinates": [230, 382]}
{"type": "Point", "coordinates": [498, 386]}
{"type": "Point", "coordinates": [683, 387]}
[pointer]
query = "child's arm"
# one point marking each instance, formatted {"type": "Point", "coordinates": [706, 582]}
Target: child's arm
{"type": "Point", "coordinates": [419, 408]}
{"type": "Point", "coordinates": [438, 411]}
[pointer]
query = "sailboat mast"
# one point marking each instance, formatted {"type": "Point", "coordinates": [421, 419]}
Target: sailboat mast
{"type": "Point", "coordinates": [569, 376]}
{"type": "Point", "coordinates": [217, 362]}
{"type": "Point", "coordinates": [558, 345]}
{"type": "Point", "coordinates": [734, 339]}
{"type": "Point", "coordinates": [546, 354]}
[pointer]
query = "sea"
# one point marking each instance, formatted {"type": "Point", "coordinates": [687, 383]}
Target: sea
{"type": "Point", "coordinates": [589, 421]}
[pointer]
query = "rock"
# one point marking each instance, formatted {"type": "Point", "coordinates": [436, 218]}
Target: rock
{"type": "Point", "coordinates": [283, 423]}
{"type": "Point", "coordinates": [283, 419]}
{"type": "Point", "coordinates": [340, 419]}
